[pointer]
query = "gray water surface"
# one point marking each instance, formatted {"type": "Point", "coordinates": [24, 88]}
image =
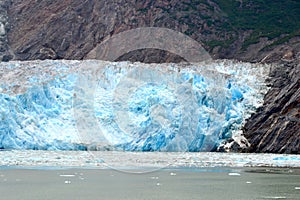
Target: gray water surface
{"type": "Point", "coordinates": [176, 183]}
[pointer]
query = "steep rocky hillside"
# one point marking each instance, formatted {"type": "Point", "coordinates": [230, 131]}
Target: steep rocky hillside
{"type": "Point", "coordinates": [247, 30]}
{"type": "Point", "coordinates": [276, 125]}
{"type": "Point", "coordinates": [254, 31]}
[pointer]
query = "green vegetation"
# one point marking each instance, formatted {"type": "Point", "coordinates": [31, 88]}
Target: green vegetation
{"type": "Point", "coordinates": [262, 18]}
{"type": "Point", "coordinates": [283, 39]}
{"type": "Point", "coordinates": [143, 9]}
{"type": "Point", "coordinates": [266, 18]}
{"type": "Point", "coordinates": [215, 43]}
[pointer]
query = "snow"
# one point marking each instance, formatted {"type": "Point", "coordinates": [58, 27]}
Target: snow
{"type": "Point", "coordinates": [75, 105]}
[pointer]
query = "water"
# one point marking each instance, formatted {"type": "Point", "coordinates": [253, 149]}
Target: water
{"type": "Point", "coordinates": [147, 175]}
{"type": "Point", "coordinates": [183, 183]}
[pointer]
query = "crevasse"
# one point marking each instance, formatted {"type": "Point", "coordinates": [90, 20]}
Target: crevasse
{"type": "Point", "coordinates": [78, 105]}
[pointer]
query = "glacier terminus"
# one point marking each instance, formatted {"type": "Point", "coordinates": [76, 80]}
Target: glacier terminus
{"type": "Point", "coordinates": [92, 104]}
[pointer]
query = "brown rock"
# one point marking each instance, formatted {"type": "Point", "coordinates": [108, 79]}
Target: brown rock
{"type": "Point", "coordinates": [288, 55]}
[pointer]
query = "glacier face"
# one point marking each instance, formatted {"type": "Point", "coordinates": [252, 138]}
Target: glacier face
{"type": "Point", "coordinates": [128, 106]}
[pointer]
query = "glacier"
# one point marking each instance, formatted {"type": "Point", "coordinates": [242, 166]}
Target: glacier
{"type": "Point", "coordinates": [99, 105]}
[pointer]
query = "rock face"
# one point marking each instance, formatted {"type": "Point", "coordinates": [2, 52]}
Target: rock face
{"type": "Point", "coordinates": [52, 29]}
{"type": "Point", "coordinates": [71, 29]}
{"type": "Point", "coordinates": [276, 125]}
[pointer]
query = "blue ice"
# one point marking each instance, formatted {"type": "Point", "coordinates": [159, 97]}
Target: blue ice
{"type": "Point", "coordinates": [137, 107]}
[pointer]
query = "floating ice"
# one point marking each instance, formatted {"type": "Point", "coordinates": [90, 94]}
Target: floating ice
{"type": "Point", "coordinates": [234, 174]}
{"type": "Point", "coordinates": [129, 106]}
{"type": "Point", "coordinates": [67, 175]}
{"type": "Point", "coordinates": [287, 158]}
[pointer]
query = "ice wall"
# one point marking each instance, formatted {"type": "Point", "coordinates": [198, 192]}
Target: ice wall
{"type": "Point", "coordinates": [128, 106]}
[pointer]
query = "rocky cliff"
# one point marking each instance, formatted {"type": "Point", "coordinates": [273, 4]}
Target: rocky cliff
{"type": "Point", "coordinates": [261, 31]}
{"type": "Point", "coordinates": [276, 125]}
